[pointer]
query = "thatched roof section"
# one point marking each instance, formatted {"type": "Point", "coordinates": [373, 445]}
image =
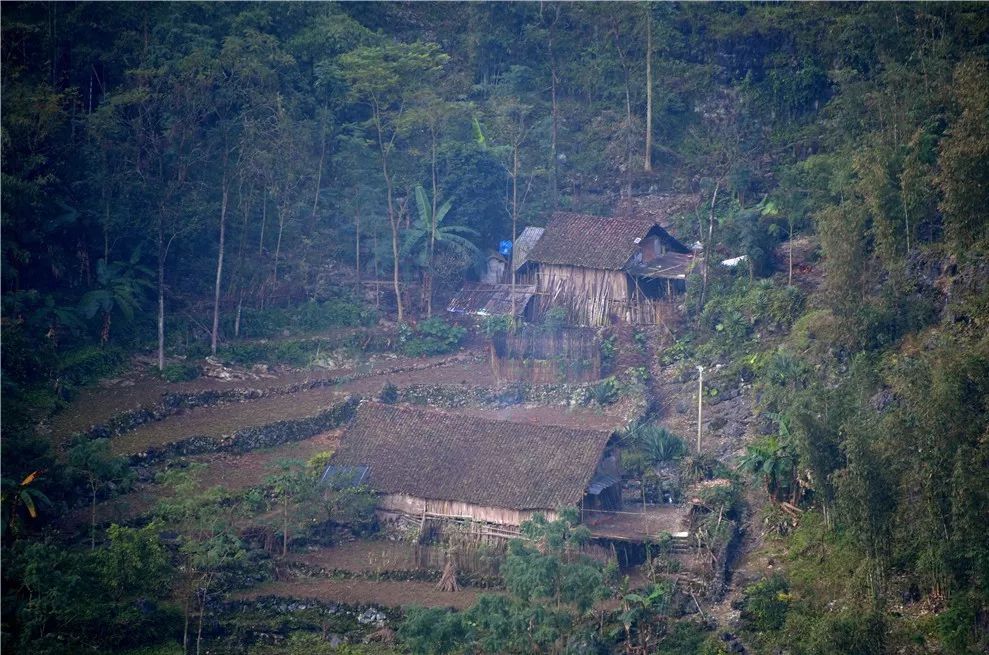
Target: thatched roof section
{"type": "Point", "coordinates": [490, 299]}
{"type": "Point", "coordinates": [441, 456]}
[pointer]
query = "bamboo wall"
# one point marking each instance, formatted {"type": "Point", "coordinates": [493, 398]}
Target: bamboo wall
{"type": "Point", "coordinates": [540, 356]}
{"type": "Point", "coordinates": [451, 509]}
{"type": "Point", "coordinates": [597, 297]}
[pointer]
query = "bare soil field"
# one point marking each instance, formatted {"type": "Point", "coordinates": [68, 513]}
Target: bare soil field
{"type": "Point", "coordinates": [358, 591]}
{"type": "Point", "coordinates": [362, 556]}
{"type": "Point", "coordinates": [140, 388]}
{"type": "Point", "coordinates": [220, 420]}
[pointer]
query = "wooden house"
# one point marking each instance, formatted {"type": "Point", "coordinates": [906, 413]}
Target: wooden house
{"type": "Point", "coordinates": [605, 270]}
{"type": "Point", "coordinates": [432, 465]}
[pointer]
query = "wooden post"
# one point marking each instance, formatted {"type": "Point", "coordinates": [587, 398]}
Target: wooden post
{"type": "Point", "coordinates": [700, 404]}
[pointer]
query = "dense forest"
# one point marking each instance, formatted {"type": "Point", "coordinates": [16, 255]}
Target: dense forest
{"type": "Point", "coordinates": [183, 181]}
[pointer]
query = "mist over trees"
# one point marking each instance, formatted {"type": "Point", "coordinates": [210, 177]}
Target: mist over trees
{"type": "Point", "coordinates": [175, 175]}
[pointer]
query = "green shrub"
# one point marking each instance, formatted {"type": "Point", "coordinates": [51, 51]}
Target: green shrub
{"type": "Point", "coordinates": [88, 364]}
{"type": "Point", "coordinates": [180, 372]}
{"type": "Point", "coordinates": [766, 604]}
{"type": "Point", "coordinates": [659, 444]}
{"type": "Point", "coordinates": [293, 352]}
{"type": "Point", "coordinates": [609, 350]}
{"type": "Point", "coordinates": [607, 391]}
{"type": "Point", "coordinates": [434, 336]}
{"type": "Point", "coordinates": [389, 393]}
{"type": "Point", "coordinates": [498, 324]}
{"type": "Point", "coordinates": [555, 318]}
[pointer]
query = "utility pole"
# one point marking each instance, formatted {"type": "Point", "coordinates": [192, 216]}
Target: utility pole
{"type": "Point", "coordinates": [700, 404]}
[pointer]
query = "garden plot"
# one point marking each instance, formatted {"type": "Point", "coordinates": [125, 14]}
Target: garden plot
{"type": "Point", "coordinates": [232, 472]}
{"type": "Point", "coordinates": [220, 420]}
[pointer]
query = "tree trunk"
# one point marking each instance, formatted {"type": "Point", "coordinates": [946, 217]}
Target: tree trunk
{"type": "Point", "coordinates": [708, 251]}
{"type": "Point", "coordinates": [219, 267]}
{"type": "Point", "coordinates": [278, 245]}
{"type": "Point", "coordinates": [202, 612]}
{"type": "Point", "coordinates": [92, 526]}
{"type": "Point", "coordinates": [264, 219]}
{"type": "Point", "coordinates": [285, 526]}
{"type": "Point", "coordinates": [428, 279]}
{"type": "Point", "coordinates": [554, 111]}
{"type": "Point", "coordinates": [393, 220]}
{"type": "Point", "coordinates": [628, 122]}
{"type": "Point", "coordinates": [240, 306]}
{"type": "Point", "coordinates": [161, 295]}
{"type": "Point", "coordinates": [319, 174]}
{"type": "Point", "coordinates": [357, 239]}
{"type": "Point", "coordinates": [648, 160]}
{"type": "Point", "coordinates": [185, 624]}
{"type": "Point", "coordinates": [515, 216]}
{"type": "Point", "coordinates": [789, 267]}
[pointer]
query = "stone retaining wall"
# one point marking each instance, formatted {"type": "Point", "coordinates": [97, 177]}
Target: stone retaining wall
{"type": "Point", "coordinates": [252, 438]}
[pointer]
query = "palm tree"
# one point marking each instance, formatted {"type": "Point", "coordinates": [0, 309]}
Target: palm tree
{"type": "Point", "coordinates": [428, 235]}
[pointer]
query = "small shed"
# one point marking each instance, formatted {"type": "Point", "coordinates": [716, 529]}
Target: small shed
{"type": "Point", "coordinates": [603, 270]}
{"type": "Point", "coordinates": [495, 265]}
{"type": "Point", "coordinates": [431, 464]}
{"type": "Point", "coordinates": [491, 299]}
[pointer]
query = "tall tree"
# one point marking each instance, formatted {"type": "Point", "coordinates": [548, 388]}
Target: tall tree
{"type": "Point", "coordinates": [384, 78]}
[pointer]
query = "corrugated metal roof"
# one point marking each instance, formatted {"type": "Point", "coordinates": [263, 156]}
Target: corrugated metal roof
{"type": "Point", "coordinates": [490, 299]}
{"type": "Point", "coordinates": [524, 244]}
{"type": "Point", "coordinates": [601, 482]}
{"type": "Point", "coordinates": [342, 477]}
{"type": "Point", "coordinates": [672, 265]}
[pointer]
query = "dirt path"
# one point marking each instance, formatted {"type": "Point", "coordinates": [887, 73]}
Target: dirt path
{"type": "Point", "coordinates": [358, 591]}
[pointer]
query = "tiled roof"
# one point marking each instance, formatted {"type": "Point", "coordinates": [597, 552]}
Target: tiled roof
{"type": "Point", "coordinates": [438, 455]}
{"type": "Point", "coordinates": [589, 241]}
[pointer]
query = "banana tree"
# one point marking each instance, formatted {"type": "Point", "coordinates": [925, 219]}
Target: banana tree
{"type": "Point", "coordinates": [774, 460]}
{"type": "Point", "coordinates": [428, 235]}
{"type": "Point", "coordinates": [120, 287]}
{"type": "Point", "coordinates": [17, 495]}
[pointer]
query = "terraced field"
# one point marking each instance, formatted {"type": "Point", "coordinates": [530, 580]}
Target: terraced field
{"type": "Point", "coordinates": [221, 420]}
{"type": "Point", "coordinates": [359, 591]}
